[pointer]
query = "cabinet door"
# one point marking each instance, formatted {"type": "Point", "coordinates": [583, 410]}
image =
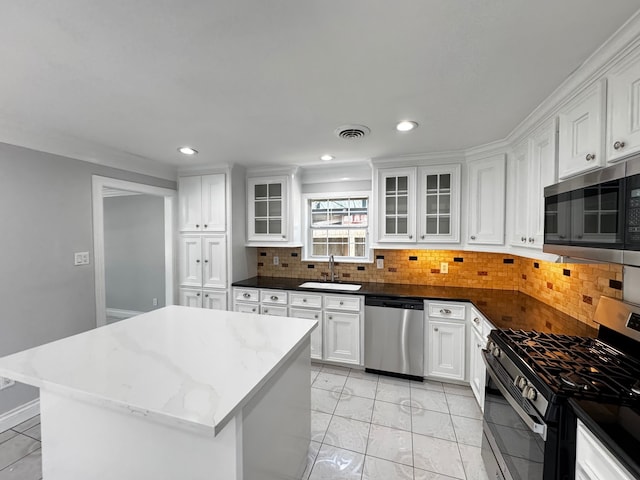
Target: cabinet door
{"type": "Point", "coordinates": [396, 205]}
{"type": "Point", "coordinates": [594, 461]}
{"type": "Point", "coordinates": [542, 173]}
{"type": "Point", "coordinates": [267, 208]}
{"type": "Point", "coordinates": [190, 261]}
{"type": "Point", "coordinates": [623, 126]}
{"type": "Point", "coordinates": [316, 335]}
{"type": "Point", "coordinates": [439, 203]}
{"type": "Point", "coordinates": [520, 186]}
{"type": "Point", "coordinates": [190, 298]}
{"type": "Point", "coordinates": [342, 337]}
{"type": "Point", "coordinates": [446, 349]}
{"type": "Point", "coordinates": [214, 203]}
{"type": "Point", "coordinates": [486, 201]}
{"type": "Point", "coordinates": [214, 300]}
{"type": "Point", "coordinates": [189, 201]}
{"type": "Point", "coordinates": [215, 261]}
{"type": "Point", "coordinates": [478, 372]}
{"type": "Point", "coordinates": [581, 133]}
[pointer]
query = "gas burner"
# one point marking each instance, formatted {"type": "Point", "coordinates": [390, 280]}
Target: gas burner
{"type": "Point", "coordinates": [574, 380]}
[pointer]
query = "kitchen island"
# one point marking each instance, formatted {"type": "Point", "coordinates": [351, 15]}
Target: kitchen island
{"type": "Point", "coordinates": [175, 393]}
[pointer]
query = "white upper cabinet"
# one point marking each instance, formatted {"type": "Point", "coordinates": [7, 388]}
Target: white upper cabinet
{"type": "Point", "coordinates": [533, 167]}
{"type": "Point", "coordinates": [581, 132]}
{"type": "Point", "coordinates": [419, 204]}
{"type": "Point", "coordinates": [273, 211]}
{"type": "Point", "coordinates": [623, 120]}
{"type": "Point", "coordinates": [202, 201]}
{"type": "Point", "coordinates": [397, 205]}
{"type": "Point", "coordinates": [439, 203]}
{"type": "Point", "coordinates": [486, 201]}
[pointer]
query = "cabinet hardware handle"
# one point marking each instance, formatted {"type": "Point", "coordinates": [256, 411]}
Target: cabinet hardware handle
{"type": "Point", "coordinates": [618, 145]}
{"type": "Point", "coordinates": [253, 309]}
{"type": "Point", "coordinates": [197, 261]}
{"type": "Point", "coordinates": [274, 298]}
{"type": "Point", "coordinates": [435, 329]}
{"type": "Point", "coordinates": [589, 157]}
{"type": "Point", "coordinates": [341, 303]}
{"type": "Point", "coordinates": [473, 237]}
{"type": "Point", "coordinates": [523, 239]}
{"type": "Point", "coordinates": [206, 296]}
{"type": "Point", "coordinates": [476, 320]}
{"type": "Point", "coordinates": [205, 225]}
{"type": "Point", "coordinates": [206, 261]}
{"type": "Point", "coordinates": [266, 310]}
{"type": "Point", "coordinates": [410, 236]}
{"type": "Point", "coordinates": [330, 317]}
{"type": "Point", "coordinates": [479, 345]}
{"type": "Point", "coordinates": [445, 311]}
{"type": "Point", "coordinates": [531, 240]}
{"type": "Point", "coordinates": [197, 225]}
{"type": "Point", "coordinates": [197, 294]}
{"type": "Point", "coordinates": [315, 316]}
{"type": "Point", "coordinates": [284, 236]}
{"type": "Point", "coordinates": [246, 295]}
{"type": "Point", "coordinates": [422, 237]}
{"type": "Point", "coordinates": [304, 300]}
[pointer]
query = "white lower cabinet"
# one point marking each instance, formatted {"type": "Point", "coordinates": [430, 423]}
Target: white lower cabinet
{"type": "Point", "coordinates": [477, 369]}
{"type": "Point", "coordinates": [445, 341]}
{"type": "Point", "coordinates": [594, 461]}
{"type": "Point", "coordinates": [337, 337]}
{"type": "Point", "coordinates": [214, 300]}
{"type": "Point", "coordinates": [342, 337]}
{"type": "Point", "coordinates": [316, 335]}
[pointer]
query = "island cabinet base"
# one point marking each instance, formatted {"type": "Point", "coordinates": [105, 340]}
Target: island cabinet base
{"type": "Point", "coordinates": [268, 439]}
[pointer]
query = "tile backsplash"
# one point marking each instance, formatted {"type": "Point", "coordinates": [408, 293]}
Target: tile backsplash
{"type": "Point", "coordinates": [571, 288]}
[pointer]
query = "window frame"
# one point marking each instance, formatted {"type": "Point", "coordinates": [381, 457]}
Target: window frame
{"type": "Point", "coordinates": [307, 239]}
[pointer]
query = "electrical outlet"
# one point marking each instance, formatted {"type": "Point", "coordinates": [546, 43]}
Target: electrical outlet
{"type": "Point", "coordinates": [444, 267]}
{"type": "Point", "coordinates": [81, 258]}
{"type": "Point", "coordinates": [154, 302]}
{"type": "Point", "coordinates": [380, 263]}
{"type": "Point", "coordinates": [276, 260]}
{"type": "Point", "coordinates": [6, 383]}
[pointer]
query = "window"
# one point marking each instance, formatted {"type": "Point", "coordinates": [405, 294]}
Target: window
{"type": "Point", "coordinates": [338, 226]}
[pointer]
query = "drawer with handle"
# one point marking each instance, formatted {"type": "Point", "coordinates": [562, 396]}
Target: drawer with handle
{"type": "Point", "coordinates": [305, 313]}
{"type": "Point", "coordinates": [305, 300]}
{"type": "Point", "coordinates": [277, 311]}
{"type": "Point", "coordinates": [342, 302]}
{"type": "Point", "coordinates": [246, 308]}
{"type": "Point", "coordinates": [276, 297]}
{"type": "Point", "coordinates": [453, 311]}
{"type": "Point", "coordinates": [246, 295]}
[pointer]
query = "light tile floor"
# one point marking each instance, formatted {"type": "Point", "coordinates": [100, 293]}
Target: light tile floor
{"type": "Point", "coordinates": [363, 426]}
{"type": "Point", "coordinates": [373, 427]}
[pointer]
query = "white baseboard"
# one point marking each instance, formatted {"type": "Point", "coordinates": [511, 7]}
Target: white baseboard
{"type": "Point", "coordinates": [19, 414]}
{"type": "Point", "coordinates": [121, 314]}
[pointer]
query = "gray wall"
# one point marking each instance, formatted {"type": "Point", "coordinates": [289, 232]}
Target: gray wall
{"type": "Point", "coordinates": [45, 210]}
{"type": "Point", "coordinates": [134, 252]}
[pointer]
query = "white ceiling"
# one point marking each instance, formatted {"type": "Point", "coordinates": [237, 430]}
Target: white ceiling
{"type": "Point", "coordinates": [262, 82]}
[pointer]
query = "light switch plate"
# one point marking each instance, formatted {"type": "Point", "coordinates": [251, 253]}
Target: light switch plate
{"type": "Point", "coordinates": [380, 263]}
{"type": "Point", "coordinates": [444, 267]}
{"type": "Point", "coordinates": [81, 258]}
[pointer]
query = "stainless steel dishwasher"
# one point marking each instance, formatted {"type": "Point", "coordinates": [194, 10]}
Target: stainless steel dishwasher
{"type": "Point", "coordinates": [394, 336]}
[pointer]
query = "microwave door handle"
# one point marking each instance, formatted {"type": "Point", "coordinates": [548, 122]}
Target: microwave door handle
{"type": "Point", "coordinates": [534, 426]}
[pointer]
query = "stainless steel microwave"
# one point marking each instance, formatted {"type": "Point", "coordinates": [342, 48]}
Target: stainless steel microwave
{"type": "Point", "coordinates": [596, 216]}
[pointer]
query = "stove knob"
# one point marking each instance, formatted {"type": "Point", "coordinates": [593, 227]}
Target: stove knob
{"type": "Point", "coordinates": [530, 393]}
{"type": "Point", "coordinates": [520, 382]}
{"type": "Point", "coordinates": [496, 352]}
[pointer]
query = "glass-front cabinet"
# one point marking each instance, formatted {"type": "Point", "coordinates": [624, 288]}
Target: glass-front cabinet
{"type": "Point", "coordinates": [267, 208]}
{"type": "Point", "coordinates": [397, 193]}
{"type": "Point", "coordinates": [419, 204]}
{"type": "Point", "coordinates": [439, 203]}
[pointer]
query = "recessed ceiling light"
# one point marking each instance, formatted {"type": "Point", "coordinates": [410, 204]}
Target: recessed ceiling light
{"type": "Point", "coordinates": [406, 126]}
{"type": "Point", "coordinates": [187, 151]}
{"type": "Point", "coordinates": [326, 157]}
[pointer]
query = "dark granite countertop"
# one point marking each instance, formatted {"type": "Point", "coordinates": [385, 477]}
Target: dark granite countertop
{"type": "Point", "coordinates": [617, 427]}
{"type": "Point", "coordinates": [503, 308]}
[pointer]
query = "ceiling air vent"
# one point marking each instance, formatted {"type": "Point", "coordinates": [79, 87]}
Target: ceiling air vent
{"type": "Point", "coordinates": [351, 132]}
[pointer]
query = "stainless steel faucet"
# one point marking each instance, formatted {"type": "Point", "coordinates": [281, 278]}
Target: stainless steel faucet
{"type": "Point", "coordinates": [332, 268]}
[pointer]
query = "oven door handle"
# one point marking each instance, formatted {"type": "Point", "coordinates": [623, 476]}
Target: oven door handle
{"type": "Point", "coordinates": [534, 426]}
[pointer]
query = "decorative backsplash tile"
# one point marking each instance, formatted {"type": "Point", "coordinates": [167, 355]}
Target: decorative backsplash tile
{"type": "Point", "coordinates": [575, 294]}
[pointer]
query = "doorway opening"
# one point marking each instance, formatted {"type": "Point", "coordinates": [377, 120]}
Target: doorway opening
{"type": "Point", "coordinates": [133, 247]}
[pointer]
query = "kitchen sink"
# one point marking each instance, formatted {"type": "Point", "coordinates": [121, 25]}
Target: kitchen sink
{"type": "Point", "coordinates": [331, 286]}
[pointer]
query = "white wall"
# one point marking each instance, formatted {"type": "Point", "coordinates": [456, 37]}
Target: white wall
{"type": "Point", "coordinates": [45, 210]}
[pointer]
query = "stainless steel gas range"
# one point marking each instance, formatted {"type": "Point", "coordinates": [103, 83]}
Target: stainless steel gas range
{"type": "Point", "coordinates": [529, 427]}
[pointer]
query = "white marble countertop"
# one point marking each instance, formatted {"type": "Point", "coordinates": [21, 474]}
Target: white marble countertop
{"type": "Point", "coordinates": [187, 367]}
